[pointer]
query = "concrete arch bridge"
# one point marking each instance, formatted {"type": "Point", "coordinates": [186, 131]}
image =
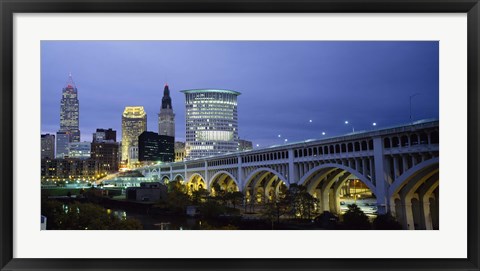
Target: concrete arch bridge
{"type": "Point", "coordinates": [398, 165]}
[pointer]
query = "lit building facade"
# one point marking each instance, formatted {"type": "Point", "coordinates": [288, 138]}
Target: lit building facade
{"type": "Point", "coordinates": [134, 122]}
{"type": "Point", "coordinates": [105, 151]}
{"type": "Point", "coordinates": [153, 147]}
{"type": "Point", "coordinates": [179, 151]}
{"type": "Point", "coordinates": [166, 118]}
{"type": "Point", "coordinates": [68, 169]}
{"type": "Point", "coordinates": [63, 138]}
{"type": "Point", "coordinates": [79, 150]}
{"type": "Point", "coordinates": [211, 122]}
{"type": "Point", "coordinates": [48, 146]}
{"type": "Point", "coordinates": [69, 110]}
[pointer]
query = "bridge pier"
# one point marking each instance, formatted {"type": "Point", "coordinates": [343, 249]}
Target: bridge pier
{"type": "Point", "coordinates": [380, 176]}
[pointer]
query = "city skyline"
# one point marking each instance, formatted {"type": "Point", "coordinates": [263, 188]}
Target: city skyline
{"type": "Point", "coordinates": [290, 90]}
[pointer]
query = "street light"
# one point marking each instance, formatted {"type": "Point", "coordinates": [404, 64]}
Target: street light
{"type": "Point", "coordinates": [353, 128]}
{"type": "Point", "coordinates": [323, 133]}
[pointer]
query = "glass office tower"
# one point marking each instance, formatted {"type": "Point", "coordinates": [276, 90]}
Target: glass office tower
{"type": "Point", "coordinates": [211, 122]}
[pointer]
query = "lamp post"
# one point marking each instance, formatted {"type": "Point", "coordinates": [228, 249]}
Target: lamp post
{"type": "Point", "coordinates": [411, 97]}
{"type": "Point", "coordinates": [353, 128]}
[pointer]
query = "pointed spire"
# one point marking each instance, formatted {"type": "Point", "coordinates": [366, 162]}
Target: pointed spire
{"type": "Point", "coordinates": [166, 91]}
{"type": "Point", "coordinates": [70, 83]}
{"type": "Point", "coordinates": [166, 100]}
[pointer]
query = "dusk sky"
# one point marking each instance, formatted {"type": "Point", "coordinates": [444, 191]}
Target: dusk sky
{"type": "Point", "coordinates": [284, 84]}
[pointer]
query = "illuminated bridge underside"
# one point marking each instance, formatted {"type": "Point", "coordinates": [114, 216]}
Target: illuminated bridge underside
{"type": "Point", "coordinates": [400, 165]}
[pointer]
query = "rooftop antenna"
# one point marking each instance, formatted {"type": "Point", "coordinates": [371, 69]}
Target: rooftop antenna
{"type": "Point", "coordinates": [70, 82]}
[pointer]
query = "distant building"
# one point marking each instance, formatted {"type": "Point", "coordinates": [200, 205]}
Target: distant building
{"type": "Point", "coordinates": [105, 153]}
{"type": "Point", "coordinates": [155, 147]}
{"type": "Point", "coordinates": [179, 151]}
{"type": "Point", "coordinates": [134, 122]}
{"type": "Point", "coordinates": [102, 135]}
{"type": "Point", "coordinates": [244, 145]}
{"type": "Point", "coordinates": [63, 138]}
{"type": "Point", "coordinates": [147, 192]}
{"type": "Point", "coordinates": [48, 146]}
{"type": "Point", "coordinates": [211, 122]}
{"type": "Point", "coordinates": [68, 168]}
{"type": "Point", "coordinates": [80, 150]}
{"type": "Point", "coordinates": [166, 117]}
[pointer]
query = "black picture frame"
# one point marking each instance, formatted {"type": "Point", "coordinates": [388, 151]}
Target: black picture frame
{"type": "Point", "coordinates": [9, 7]}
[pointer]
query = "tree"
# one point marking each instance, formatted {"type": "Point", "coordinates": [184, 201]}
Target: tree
{"type": "Point", "coordinates": [300, 202]}
{"type": "Point", "coordinates": [84, 216]}
{"type": "Point", "coordinates": [234, 198]}
{"type": "Point", "coordinates": [386, 222]}
{"type": "Point", "coordinates": [211, 209]}
{"type": "Point", "coordinates": [178, 201]}
{"type": "Point", "coordinates": [199, 195]}
{"type": "Point", "coordinates": [355, 219]}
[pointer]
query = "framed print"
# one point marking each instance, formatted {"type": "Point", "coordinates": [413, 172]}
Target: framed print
{"type": "Point", "coordinates": [239, 135]}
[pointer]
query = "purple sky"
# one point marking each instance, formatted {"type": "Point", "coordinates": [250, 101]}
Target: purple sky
{"type": "Point", "coordinates": [284, 84]}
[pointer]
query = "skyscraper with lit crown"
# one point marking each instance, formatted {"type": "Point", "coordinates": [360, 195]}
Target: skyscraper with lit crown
{"type": "Point", "coordinates": [69, 117]}
{"type": "Point", "coordinates": [166, 118]}
{"type": "Point", "coordinates": [134, 122]}
{"type": "Point", "coordinates": [69, 110]}
{"type": "Point", "coordinates": [211, 122]}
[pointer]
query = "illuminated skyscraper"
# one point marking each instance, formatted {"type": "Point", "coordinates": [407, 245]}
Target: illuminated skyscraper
{"type": "Point", "coordinates": [69, 110]}
{"type": "Point", "coordinates": [211, 122]}
{"type": "Point", "coordinates": [166, 118]}
{"type": "Point", "coordinates": [134, 122]}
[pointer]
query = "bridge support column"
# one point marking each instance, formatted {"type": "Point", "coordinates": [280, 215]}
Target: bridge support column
{"type": "Point", "coordinates": [426, 215]}
{"type": "Point", "coordinates": [408, 221]}
{"type": "Point", "coordinates": [207, 181]}
{"type": "Point", "coordinates": [291, 170]}
{"type": "Point", "coordinates": [380, 183]}
{"type": "Point", "coordinates": [241, 182]}
{"type": "Point", "coordinates": [185, 173]}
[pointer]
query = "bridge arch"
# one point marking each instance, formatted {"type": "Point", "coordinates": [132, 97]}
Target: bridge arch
{"type": "Point", "coordinates": [264, 184]}
{"type": "Point", "coordinates": [409, 174]}
{"type": "Point", "coordinates": [357, 174]}
{"type": "Point", "coordinates": [414, 196]}
{"type": "Point", "coordinates": [196, 182]}
{"type": "Point", "coordinates": [178, 177]}
{"type": "Point", "coordinates": [216, 176]}
{"type": "Point", "coordinates": [165, 177]}
{"type": "Point", "coordinates": [263, 169]}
